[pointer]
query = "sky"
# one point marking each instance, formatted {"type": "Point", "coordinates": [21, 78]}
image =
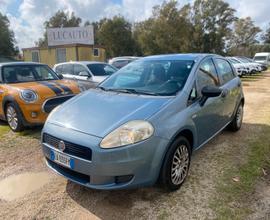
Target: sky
{"type": "Point", "coordinates": [27, 16]}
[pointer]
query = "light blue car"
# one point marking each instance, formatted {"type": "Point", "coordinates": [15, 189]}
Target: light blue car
{"type": "Point", "coordinates": [143, 122]}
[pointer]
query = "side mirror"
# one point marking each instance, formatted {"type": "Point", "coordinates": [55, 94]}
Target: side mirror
{"type": "Point", "coordinates": [84, 73]}
{"type": "Point", "coordinates": [209, 92]}
{"type": "Point", "coordinates": [60, 76]}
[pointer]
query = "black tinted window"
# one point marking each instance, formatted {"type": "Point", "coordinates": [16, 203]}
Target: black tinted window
{"type": "Point", "coordinates": [100, 69]}
{"type": "Point", "coordinates": [224, 70]}
{"type": "Point", "coordinates": [207, 75]}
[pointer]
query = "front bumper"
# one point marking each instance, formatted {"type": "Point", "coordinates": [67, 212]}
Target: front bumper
{"type": "Point", "coordinates": [125, 167]}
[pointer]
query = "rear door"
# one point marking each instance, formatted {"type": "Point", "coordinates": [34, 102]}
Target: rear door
{"type": "Point", "coordinates": [231, 86]}
{"type": "Point", "coordinates": [209, 117]}
{"type": "Point", "coordinates": [67, 71]}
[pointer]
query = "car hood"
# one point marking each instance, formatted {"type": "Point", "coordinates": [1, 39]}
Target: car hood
{"type": "Point", "coordinates": [48, 89]}
{"type": "Point", "coordinates": [97, 112]}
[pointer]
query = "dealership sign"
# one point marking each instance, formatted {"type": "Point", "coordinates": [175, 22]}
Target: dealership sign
{"type": "Point", "coordinates": [74, 35]}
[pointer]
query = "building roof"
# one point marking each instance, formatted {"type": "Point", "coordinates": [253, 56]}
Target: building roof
{"type": "Point", "coordinates": [63, 46]}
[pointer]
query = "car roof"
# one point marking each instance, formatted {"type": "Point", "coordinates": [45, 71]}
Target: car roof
{"type": "Point", "coordinates": [124, 58]}
{"type": "Point", "coordinates": [184, 56]}
{"type": "Point", "coordinates": [20, 63]}
{"type": "Point", "coordinates": [80, 62]}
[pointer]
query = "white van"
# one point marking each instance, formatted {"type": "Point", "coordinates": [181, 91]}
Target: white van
{"type": "Point", "coordinates": [263, 58]}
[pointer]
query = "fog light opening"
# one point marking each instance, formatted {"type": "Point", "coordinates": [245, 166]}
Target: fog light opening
{"type": "Point", "coordinates": [123, 179]}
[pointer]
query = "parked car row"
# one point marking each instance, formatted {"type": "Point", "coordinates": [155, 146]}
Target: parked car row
{"type": "Point", "coordinates": [245, 66]}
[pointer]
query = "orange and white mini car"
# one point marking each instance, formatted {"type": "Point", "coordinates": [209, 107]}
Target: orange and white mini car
{"type": "Point", "coordinates": [29, 92]}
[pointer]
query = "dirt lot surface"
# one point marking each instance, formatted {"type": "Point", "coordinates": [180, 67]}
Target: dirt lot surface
{"type": "Point", "coordinates": [58, 198]}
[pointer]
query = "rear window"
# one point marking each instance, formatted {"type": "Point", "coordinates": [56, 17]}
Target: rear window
{"type": "Point", "coordinates": [260, 58]}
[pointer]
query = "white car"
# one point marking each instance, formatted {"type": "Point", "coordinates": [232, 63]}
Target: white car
{"type": "Point", "coordinates": [88, 73]}
{"type": "Point", "coordinates": [240, 68]}
{"type": "Point", "coordinates": [256, 65]}
{"type": "Point", "coordinates": [263, 59]}
{"type": "Point", "coordinates": [249, 66]}
{"type": "Point", "coordinates": [120, 62]}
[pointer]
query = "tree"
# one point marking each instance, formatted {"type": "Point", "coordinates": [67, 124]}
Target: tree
{"type": "Point", "coordinates": [211, 21]}
{"type": "Point", "coordinates": [243, 36]}
{"type": "Point", "coordinates": [166, 31]}
{"type": "Point", "coordinates": [7, 39]}
{"type": "Point", "coordinates": [60, 19]}
{"type": "Point", "coordinates": [116, 35]}
{"type": "Point", "coordinates": [266, 36]}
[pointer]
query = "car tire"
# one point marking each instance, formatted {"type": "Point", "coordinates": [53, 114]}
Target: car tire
{"type": "Point", "coordinates": [175, 170]}
{"type": "Point", "coordinates": [14, 118]}
{"type": "Point", "coordinates": [236, 123]}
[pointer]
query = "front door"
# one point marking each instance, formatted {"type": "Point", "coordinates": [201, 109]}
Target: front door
{"type": "Point", "coordinates": [84, 81]}
{"type": "Point", "coordinates": [209, 118]}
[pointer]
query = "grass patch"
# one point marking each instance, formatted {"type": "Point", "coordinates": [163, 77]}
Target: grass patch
{"type": "Point", "coordinates": [232, 199]}
{"type": "Point", "coordinates": [3, 130]}
{"type": "Point", "coordinates": [33, 132]}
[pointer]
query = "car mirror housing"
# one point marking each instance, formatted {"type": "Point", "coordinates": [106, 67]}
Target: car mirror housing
{"type": "Point", "coordinates": [209, 92]}
{"type": "Point", "coordinates": [60, 76]}
{"type": "Point", "coordinates": [84, 73]}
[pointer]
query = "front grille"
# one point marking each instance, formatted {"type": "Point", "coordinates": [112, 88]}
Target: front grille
{"type": "Point", "coordinates": [80, 177]}
{"type": "Point", "coordinates": [50, 104]}
{"type": "Point", "coordinates": [70, 148]}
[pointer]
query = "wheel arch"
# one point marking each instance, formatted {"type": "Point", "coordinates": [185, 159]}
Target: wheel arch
{"type": "Point", "coordinates": [11, 99]}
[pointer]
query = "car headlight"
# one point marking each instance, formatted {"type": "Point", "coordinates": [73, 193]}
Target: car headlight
{"type": "Point", "coordinates": [129, 133]}
{"type": "Point", "coordinates": [28, 95]}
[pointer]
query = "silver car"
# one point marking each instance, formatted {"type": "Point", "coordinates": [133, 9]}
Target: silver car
{"type": "Point", "coordinates": [88, 73]}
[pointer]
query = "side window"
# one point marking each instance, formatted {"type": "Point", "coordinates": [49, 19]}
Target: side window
{"type": "Point", "coordinates": [61, 55]}
{"type": "Point", "coordinates": [67, 69]}
{"type": "Point", "coordinates": [96, 52]}
{"type": "Point", "coordinates": [224, 70]}
{"type": "Point", "coordinates": [206, 75]}
{"type": "Point", "coordinates": [35, 56]}
{"type": "Point", "coordinates": [58, 69]}
{"type": "Point", "coordinates": [79, 68]}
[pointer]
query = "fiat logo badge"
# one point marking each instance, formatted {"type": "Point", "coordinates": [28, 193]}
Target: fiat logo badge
{"type": "Point", "coordinates": [61, 145]}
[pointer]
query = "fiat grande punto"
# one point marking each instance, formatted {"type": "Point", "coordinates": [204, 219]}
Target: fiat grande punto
{"type": "Point", "coordinates": [143, 123]}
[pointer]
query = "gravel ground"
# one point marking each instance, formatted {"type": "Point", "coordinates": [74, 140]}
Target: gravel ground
{"type": "Point", "coordinates": [61, 199]}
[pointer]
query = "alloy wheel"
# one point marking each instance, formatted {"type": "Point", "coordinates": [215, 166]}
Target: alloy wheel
{"type": "Point", "coordinates": [239, 116]}
{"type": "Point", "coordinates": [180, 163]}
{"type": "Point", "coordinates": [12, 117]}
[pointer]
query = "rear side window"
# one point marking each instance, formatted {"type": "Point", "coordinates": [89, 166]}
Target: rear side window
{"type": "Point", "coordinates": [79, 68]}
{"type": "Point", "coordinates": [207, 75]}
{"type": "Point", "coordinates": [224, 70]}
{"type": "Point", "coordinates": [67, 69]}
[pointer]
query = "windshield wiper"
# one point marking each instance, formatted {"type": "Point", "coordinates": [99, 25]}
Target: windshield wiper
{"type": "Point", "coordinates": [130, 91]}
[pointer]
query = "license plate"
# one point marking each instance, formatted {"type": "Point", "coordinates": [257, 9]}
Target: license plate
{"type": "Point", "coordinates": [62, 159]}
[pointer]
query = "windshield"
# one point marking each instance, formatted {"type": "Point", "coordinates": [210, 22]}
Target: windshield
{"type": "Point", "coordinates": [243, 60]}
{"type": "Point", "coordinates": [234, 61]}
{"type": "Point", "coordinates": [27, 73]}
{"type": "Point", "coordinates": [152, 77]}
{"type": "Point", "coordinates": [260, 58]}
{"type": "Point", "coordinates": [100, 69]}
